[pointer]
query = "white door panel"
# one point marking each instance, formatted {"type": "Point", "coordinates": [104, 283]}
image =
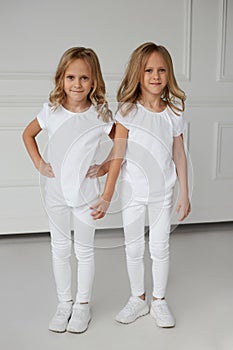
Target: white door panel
{"type": "Point", "coordinates": [199, 36]}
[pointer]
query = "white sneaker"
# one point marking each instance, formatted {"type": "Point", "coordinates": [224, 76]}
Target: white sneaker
{"type": "Point", "coordinates": [60, 319]}
{"type": "Point", "coordinates": [135, 308]}
{"type": "Point", "coordinates": [80, 318]}
{"type": "Point", "coordinates": [161, 313]}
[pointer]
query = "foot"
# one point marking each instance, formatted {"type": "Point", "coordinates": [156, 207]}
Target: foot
{"type": "Point", "coordinates": [61, 318]}
{"type": "Point", "coordinates": [135, 308]}
{"type": "Point", "coordinates": [80, 318]}
{"type": "Point", "coordinates": [161, 313]}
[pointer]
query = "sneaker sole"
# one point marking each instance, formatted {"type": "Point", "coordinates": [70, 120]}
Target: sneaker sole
{"type": "Point", "coordinates": [62, 331]}
{"type": "Point", "coordinates": [160, 324]}
{"type": "Point", "coordinates": [56, 331]}
{"type": "Point", "coordinates": [79, 332]}
{"type": "Point", "coordinates": [143, 312]}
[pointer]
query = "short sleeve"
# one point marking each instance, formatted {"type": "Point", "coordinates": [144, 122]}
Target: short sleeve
{"type": "Point", "coordinates": [108, 127]}
{"type": "Point", "coordinates": [122, 120]}
{"type": "Point", "coordinates": [42, 116]}
{"type": "Point", "coordinates": [179, 124]}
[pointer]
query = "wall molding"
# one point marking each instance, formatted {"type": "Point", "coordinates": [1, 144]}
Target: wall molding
{"type": "Point", "coordinates": [26, 76]}
{"type": "Point", "coordinates": [218, 128]}
{"type": "Point", "coordinates": [23, 102]}
{"type": "Point", "coordinates": [23, 183]}
{"type": "Point", "coordinates": [47, 75]}
{"type": "Point", "coordinates": [12, 183]}
{"type": "Point", "coordinates": [186, 73]}
{"type": "Point", "coordinates": [187, 137]}
{"type": "Point", "coordinates": [210, 101]}
{"type": "Point", "coordinates": [37, 101]}
{"type": "Point", "coordinates": [221, 75]}
{"type": "Point", "coordinates": [11, 128]}
{"type": "Point", "coordinates": [114, 77]}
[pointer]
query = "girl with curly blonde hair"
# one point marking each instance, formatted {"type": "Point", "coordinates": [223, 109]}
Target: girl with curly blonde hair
{"type": "Point", "coordinates": [75, 119]}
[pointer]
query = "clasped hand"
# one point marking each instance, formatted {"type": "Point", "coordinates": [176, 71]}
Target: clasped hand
{"type": "Point", "coordinates": [99, 208]}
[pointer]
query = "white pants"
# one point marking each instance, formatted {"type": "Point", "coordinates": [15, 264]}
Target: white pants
{"type": "Point", "coordinates": [61, 242]}
{"type": "Point", "coordinates": [134, 230]}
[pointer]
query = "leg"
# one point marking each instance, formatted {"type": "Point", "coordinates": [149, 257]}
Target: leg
{"type": "Point", "coordinates": [134, 222]}
{"type": "Point", "coordinates": [159, 220]}
{"type": "Point", "coordinates": [59, 222]}
{"type": "Point", "coordinates": [84, 230]}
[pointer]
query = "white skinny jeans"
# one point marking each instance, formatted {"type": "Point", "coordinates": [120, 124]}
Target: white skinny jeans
{"type": "Point", "coordinates": [134, 230]}
{"type": "Point", "coordinates": [61, 242]}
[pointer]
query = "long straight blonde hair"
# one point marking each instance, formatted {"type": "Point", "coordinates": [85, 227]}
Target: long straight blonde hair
{"type": "Point", "coordinates": [129, 91]}
{"type": "Point", "coordinates": [97, 94]}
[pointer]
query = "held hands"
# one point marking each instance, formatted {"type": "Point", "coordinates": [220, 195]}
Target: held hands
{"type": "Point", "coordinates": [183, 207]}
{"type": "Point", "coordinates": [45, 169]}
{"type": "Point", "coordinates": [96, 170]}
{"type": "Point", "coordinates": [99, 208]}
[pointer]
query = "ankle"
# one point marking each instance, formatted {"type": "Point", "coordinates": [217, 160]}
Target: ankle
{"type": "Point", "coordinates": [154, 298]}
{"type": "Point", "coordinates": [143, 296]}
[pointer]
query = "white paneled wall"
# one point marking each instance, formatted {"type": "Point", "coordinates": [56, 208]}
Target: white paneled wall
{"type": "Point", "coordinates": [198, 33]}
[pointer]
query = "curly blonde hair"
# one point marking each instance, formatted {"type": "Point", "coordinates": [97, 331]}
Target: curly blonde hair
{"type": "Point", "coordinates": [129, 91]}
{"type": "Point", "coordinates": [97, 94]}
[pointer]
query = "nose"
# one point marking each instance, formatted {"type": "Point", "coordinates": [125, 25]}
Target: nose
{"type": "Point", "coordinates": [156, 75]}
{"type": "Point", "coordinates": [77, 82]}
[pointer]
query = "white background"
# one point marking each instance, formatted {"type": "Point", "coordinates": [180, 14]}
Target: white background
{"type": "Point", "coordinates": [198, 34]}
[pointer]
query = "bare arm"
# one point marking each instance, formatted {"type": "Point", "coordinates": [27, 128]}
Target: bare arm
{"type": "Point", "coordinates": [114, 165]}
{"type": "Point", "coordinates": [179, 157]}
{"type": "Point", "coordinates": [29, 138]}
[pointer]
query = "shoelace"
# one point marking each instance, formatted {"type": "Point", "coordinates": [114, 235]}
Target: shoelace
{"type": "Point", "coordinates": [130, 307]}
{"type": "Point", "coordinates": [62, 313]}
{"type": "Point", "coordinates": [79, 314]}
{"type": "Point", "coordinates": [162, 309]}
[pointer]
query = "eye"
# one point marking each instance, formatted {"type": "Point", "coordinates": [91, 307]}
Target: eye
{"type": "Point", "coordinates": [70, 77]}
{"type": "Point", "coordinates": [162, 70]}
{"type": "Point", "coordinates": [148, 70]}
{"type": "Point", "coordinates": [85, 78]}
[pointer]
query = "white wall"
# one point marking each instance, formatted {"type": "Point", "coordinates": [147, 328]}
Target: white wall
{"type": "Point", "coordinates": [198, 33]}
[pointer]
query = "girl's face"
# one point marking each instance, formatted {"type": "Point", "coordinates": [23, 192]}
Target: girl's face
{"type": "Point", "coordinates": [155, 76]}
{"type": "Point", "coordinates": [77, 81]}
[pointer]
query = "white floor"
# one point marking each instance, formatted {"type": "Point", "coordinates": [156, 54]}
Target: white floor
{"type": "Point", "coordinates": [200, 293]}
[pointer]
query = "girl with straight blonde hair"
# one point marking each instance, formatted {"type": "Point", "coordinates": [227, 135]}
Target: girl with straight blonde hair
{"type": "Point", "coordinates": [151, 106]}
{"type": "Point", "coordinates": [129, 91]}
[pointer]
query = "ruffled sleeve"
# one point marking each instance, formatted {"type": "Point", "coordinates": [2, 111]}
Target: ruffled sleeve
{"type": "Point", "coordinates": [179, 124]}
{"type": "Point", "coordinates": [108, 127]}
{"type": "Point", "coordinates": [42, 116]}
{"type": "Point", "coordinates": [125, 121]}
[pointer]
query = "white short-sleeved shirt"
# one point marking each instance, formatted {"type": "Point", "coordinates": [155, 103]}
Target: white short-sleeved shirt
{"type": "Point", "coordinates": [149, 171]}
{"type": "Point", "coordinates": [74, 139]}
